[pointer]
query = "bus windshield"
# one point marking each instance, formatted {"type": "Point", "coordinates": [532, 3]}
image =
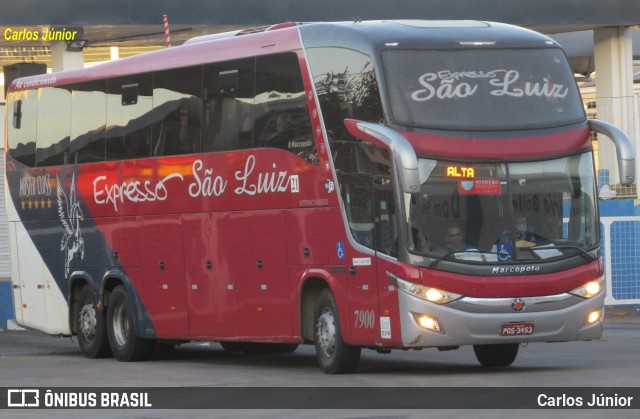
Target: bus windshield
{"type": "Point", "coordinates": [504, 212]}
{"type": "Point", "coordinates": [479, 90]}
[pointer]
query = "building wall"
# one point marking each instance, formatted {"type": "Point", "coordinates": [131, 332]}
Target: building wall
{"type": "Point", "coordinates": [6, 304]}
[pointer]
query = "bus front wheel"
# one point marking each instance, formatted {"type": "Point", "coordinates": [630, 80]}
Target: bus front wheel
{"type": "Point", "coordinates": [334, 356]}
{"type": "Point", "coordinates": [500, 355]}
{"type": "Point", "coordinates": [90, 325]}
{"type": "Point", "coordinates": [126, 346]}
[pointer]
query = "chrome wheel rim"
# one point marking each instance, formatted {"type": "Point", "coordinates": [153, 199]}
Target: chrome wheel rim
{"type": "Point", "coordinates": [87, 320]}
{"type": "Point", "coordinates": [120, 325]}
{"type": "Point", "coordinates": [326, 332]}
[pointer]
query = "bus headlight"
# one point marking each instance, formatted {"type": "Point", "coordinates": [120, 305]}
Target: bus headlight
{"type": "Point", "coordinates": [433, 295]}
{"type": "Point", "coordinates": [594, 316]}
{"type": "Point", "coordinates": [590, 289]}
{"type": "Point", "coordinates": [429, 323]}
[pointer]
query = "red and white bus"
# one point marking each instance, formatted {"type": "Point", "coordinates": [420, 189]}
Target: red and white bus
{"type": "Point", "coordinates": [349, 185]}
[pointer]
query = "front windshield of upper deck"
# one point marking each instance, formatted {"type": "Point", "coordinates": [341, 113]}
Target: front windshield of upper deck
{"type": "Point", "coordinates": [504, 212]}
{"type": "Point", "coordinates": [481, 90]}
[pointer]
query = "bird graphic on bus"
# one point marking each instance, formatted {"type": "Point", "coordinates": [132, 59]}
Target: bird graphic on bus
{"type": "Point", "coordinates": [70, 215]}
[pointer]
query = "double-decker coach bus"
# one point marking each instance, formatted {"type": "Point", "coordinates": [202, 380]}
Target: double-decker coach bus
{"type": "Point", "coordinates": [349, 185]}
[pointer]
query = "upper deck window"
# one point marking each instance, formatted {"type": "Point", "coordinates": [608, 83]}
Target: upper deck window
{"type": "Point", "coordinates": [476, 90]}
{"type": "Point", "coordinates": [347, 87]}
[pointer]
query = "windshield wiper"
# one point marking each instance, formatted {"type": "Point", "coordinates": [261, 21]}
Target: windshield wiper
{"type": "Point", "coordinates": [446, 255]}
{"type": "Point", "coordinates": [583, 252]}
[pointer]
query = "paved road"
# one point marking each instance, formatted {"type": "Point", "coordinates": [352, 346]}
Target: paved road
{"type": "Point", "coordinates": [31, 359]}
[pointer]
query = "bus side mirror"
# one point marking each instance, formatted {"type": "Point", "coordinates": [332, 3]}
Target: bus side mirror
{"type": "Point", "coordinates": [403, 154]}
{"type": "Point", "coordinates": [624, 149]}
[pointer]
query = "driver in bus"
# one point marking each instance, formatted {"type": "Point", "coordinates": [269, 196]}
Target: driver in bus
{"type": "Point", "coordinates": [522, 234]}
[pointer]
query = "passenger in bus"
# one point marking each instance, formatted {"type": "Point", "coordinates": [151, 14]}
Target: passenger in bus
{"type": "Point", "coordinates": [136, 146]}
{"type": "Point", "coordinates": [186, 137]}
{"type": "Point", "coordinates": [454, 241]}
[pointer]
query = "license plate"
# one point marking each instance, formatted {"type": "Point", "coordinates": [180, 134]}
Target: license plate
{"type": "Point", "coordinates": [517, 329]}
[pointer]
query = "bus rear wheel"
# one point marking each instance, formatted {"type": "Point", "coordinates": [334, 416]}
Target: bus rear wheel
{"type": "Point", "coordinates": [334, 356]}
{"type": "Point", "coordinates": [500, 355]}
{"type": "Point", "coordinates": [126, 346]}
{"type": "Point", "coordinates": [90, 325]}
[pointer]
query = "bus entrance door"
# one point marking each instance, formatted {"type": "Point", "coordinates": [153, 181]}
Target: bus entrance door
{"type": "Point", "coordinates": [363, 298]}
{"type": "Point", "coordinates": [357, 192]}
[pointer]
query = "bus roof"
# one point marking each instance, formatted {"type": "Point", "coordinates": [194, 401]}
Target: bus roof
{"type": "Point", "coordinates": [366, 36]}
{"type": "Point", "coordinates": [373, 35]}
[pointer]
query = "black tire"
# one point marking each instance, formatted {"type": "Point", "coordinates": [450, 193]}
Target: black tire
{"type": "Point", "coordinates": [334, 356]}
{"type": "Point", "coordinates": [126, 346]}
{"type": "Point", "coordinates": [501, 355]}
{"type": "Point", "coordinates": [90, 325]}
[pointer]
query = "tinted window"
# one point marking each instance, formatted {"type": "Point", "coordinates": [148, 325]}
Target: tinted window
{"type": "Point", "coordinates": [253, 102]}
{"type": "Point", "coordinates": [23, 108]}
{"type": "Point", "coordinates": [88, 121]}
{"type": "Point", "coordinates": [481, 89]}
{"type": "Point", "coordinates": [367, 191]}
{"type": "Point", "coordinates": [53, 125]}
{"type": "Point", "coordinates": [177, 111]}
{"type": "Point", "coordinates": [347, 88]}
{"type": "Point", "coordinates": [282, 116]}
{"type": "Point", "coordinates": [357, 194]}
{"type": "Point", "coordinates": [508, 211]}
{"type": "Point", "coordinates": [229, 88]}
{"type": "Point", "coordinates": [129, 117]}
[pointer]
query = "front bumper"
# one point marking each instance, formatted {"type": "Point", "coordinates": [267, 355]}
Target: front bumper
{"type": "Point", "coordinates": [558, 318]}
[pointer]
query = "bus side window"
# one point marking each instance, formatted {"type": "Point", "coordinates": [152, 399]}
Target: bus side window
{"type": "Point", "coordinates": [385, 213]}
{"type": "Point", "coordinates": [177, 111]}
{"type": "Point", "coordinates": [347, 87]}
{"type": "Point", "coordinates": [129, 117]}
{"type": "Point", "coordinates": [282, 115]}
{"type": "Point", "coordinates": [88, 121]}
{"type": "Point", "coordinates": [229, 88]}
{"type": "Point", "coordinates": [53, 125]}
{"type": "Point", "coordinates": [357, 195]}
{"type": "Point", "coordinates": [22, 136]}
{"type": "Point", "coordinates": [364, 175]}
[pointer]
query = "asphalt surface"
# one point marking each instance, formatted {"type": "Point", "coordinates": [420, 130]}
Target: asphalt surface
{"type": "Point", "coordinates": [31, 359]}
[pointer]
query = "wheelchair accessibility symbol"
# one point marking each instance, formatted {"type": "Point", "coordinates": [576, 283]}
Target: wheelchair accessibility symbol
{"type": "Point", "coordinates": [505, 252]}
{"type": "Point", "coordinates": [340, 250]}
